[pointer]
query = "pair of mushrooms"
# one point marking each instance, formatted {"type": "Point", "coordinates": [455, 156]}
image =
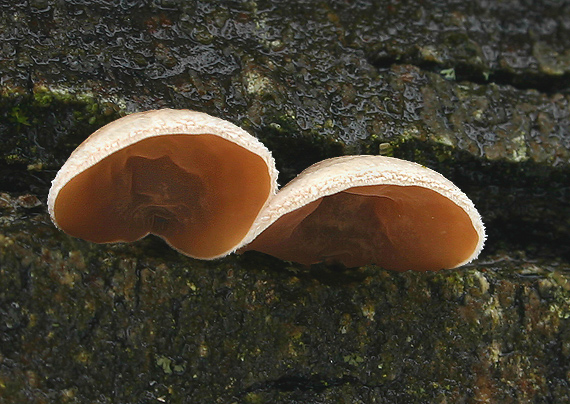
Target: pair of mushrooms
{"type": "Point", "coordinates": [209, 188]}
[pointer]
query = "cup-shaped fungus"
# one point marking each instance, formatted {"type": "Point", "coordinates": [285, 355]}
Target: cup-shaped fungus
{"type": "Point", "coordinates": [197, 181]}
{"type": "Point", "coordinates": [359, 210]}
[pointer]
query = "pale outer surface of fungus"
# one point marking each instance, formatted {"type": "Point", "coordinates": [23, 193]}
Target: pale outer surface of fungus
{"type": "Point", "coordinates": [339, 174]}
{"type": "Point", "coordinates": [141, 126]}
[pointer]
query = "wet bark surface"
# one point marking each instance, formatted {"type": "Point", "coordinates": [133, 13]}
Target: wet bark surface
{"type": "Point", "coordinates": [477, 91]}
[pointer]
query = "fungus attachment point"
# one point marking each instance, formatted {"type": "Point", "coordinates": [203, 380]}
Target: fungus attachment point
{"type": "Point", "coordinates": [197, 181]}
{"type": "Point", "coordinates": [360, 210]}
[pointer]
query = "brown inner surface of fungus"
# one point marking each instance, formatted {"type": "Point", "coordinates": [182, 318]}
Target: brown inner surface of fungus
{"type": "Point", "coordinates": [199, 192]}
{"type": "Point", "coordinates": [397, 227]}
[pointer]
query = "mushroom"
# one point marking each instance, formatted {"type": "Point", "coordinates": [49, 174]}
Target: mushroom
{"type": "Point", "coordinates": [359, 210]}
{"type": "Point", "coordinates": [197, 181]}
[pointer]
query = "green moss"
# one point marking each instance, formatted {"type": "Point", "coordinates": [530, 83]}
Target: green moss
{"type": "Point", "coordinates": [254, 398]}
{"type": "Point", "coordinates": [448, 74]}
{"type": "Point", "coordinates": [164, 363]}
{"type": "Point", "coordinates": [43, 97]}
{"type": "Point", "coordinates": [45, 127]}
{"type": "Point", "coordinates": [19, 116]}
{"type": "Point", "coordinates": [353, 359]}
{"type": "Point", "coordinates": [561, 294]}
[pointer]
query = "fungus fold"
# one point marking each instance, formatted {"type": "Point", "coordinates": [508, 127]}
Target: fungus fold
{"type": "Point", "coordinates": [359, 210]}
{"type": "Point", "coordinates": [197, 181]}
{"type": "Point", "coordinates": [208, 188]}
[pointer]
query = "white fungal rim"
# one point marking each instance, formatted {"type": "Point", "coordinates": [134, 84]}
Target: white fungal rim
{"type": "Point", "coordinates": [337, 174]}
{"type": "Point", "coordinates": [138, 126]}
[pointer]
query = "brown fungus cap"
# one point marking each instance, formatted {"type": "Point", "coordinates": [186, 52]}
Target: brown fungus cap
{"type": "Point", "coordinates": [360, 210]}
{"type": "Point", "coordinates": [197, 181]}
